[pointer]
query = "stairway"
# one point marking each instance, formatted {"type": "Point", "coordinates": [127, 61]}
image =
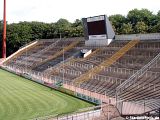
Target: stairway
{"type": "Point", "coordinates": [73, 44]}
{"type": "Point", "coordinates": [106, 63]}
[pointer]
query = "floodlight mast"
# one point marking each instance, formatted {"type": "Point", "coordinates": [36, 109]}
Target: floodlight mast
{"type": "Point", "coordinates": [4, 32]}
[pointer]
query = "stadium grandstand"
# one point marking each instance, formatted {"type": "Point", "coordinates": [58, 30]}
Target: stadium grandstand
{"type": "Point", "coordinates": [119, 73]}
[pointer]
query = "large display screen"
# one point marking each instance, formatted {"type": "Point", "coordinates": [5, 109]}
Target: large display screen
{"type": "Point", "coordinates": [96, 27]}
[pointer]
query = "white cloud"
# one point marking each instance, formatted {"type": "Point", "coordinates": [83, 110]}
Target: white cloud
{"type": "Point", "coordinates": [52, 10]}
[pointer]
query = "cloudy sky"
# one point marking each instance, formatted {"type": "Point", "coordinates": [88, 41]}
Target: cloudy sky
{"type": "Point", "coordinates": [52, 10]}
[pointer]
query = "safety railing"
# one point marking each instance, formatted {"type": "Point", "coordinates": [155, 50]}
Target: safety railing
{"type": "Point", "coordinates": [106, 63]}
{"type": "Point", "coordinates": [138, 74]}
{"type": "Point", "coordinates": [57, 53]}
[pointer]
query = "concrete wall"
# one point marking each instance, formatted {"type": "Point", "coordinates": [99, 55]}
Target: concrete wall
{"type": "Point", "coordinates": [151, 36]}
{"type": "Point", "coordinates": [87, 53]}
{"type": "Point", "coordinates": [102, 42]}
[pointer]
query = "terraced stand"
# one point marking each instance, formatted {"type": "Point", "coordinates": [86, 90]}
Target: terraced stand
{"type": "Point", "coordinates": [28, 56]}
{"type": "Point", "coordinates": [100, 73]}
{"type": "Point", "coordinates": [106, 63]}
{"type": "Point", "coordinates": [92, 54]}
{"type": "Point", "coordinates": [141, 88]}
{"type": "Point", "coordinates": [20, 51]}
{"type": "Point", "coordinates": [58, 53]}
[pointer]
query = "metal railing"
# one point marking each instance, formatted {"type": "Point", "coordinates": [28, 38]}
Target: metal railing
{"type": "Point", "coordinates": [58, 53]}
{"type": "Point", "coordinates": [138, 74]}
{"type": "Point", "coordinates": [47, 48]}
{"type": "Point", "coordinates": [106, 63]}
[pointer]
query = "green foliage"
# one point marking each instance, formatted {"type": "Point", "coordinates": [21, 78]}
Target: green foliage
{"type": "Point", "coordinates": [21, 33]}
{"type": "Point", "coordinates": [126, 28]}
{"type": "Point", "coordinates": [76, 31]}
{"type": "Point", "coordinates": [18, 35]}
{"type": "Point", "coordinates": [50, 31]}
{"type": "Point", "coordinates": [117, 21]}
{"type": "Point", "coordinates": [62, 26]}
{"type": "Point", "coordinates": [77, 23]}
{"type": "Point", "coordinates": [156, 28]}
{"type": "Point", "coordinates": [136, 15]}
{"type": "Point", "coordinates": [37, 30]}
{"type": "Point", "coordinates": [136, 21]}
{"type": "Point", "coordinates": [158, 14]}
{"type": "Point", "coordinates": [141, 27]}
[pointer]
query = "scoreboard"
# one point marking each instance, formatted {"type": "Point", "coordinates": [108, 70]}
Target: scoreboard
{"type": "Point", "coordinates": [97, 28]}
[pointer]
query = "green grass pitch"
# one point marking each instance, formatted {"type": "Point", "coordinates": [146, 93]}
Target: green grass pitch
{"type": "Point", "coordinates": [21, 99]}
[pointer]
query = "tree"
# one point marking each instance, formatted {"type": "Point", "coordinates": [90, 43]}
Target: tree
{"type": "Point", "coordinates": [77, 23]}
{"type": "Point", "coordinates": [76, 31]}
{"type": "Point", "coordinates": [62, 26]}
{"type": "Point", "coordinates": [126, 28]}
{"type": "Point", "coordinates": [38, 29]}
{"type": "Point", "coordinates": [141, 27]}
{"type": "Point", "coordinates": [117, 21]}
{"type": "Point", "coordinates": [50, 31]}
{"type": "Point", "coordinates": [136, 15]}
{"type": "Point", "coordinates": [158, 13]}
{"type": "Point", "coordinates": [17, 35]}
{"type": "Point", "coordinates": [156, 28]}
